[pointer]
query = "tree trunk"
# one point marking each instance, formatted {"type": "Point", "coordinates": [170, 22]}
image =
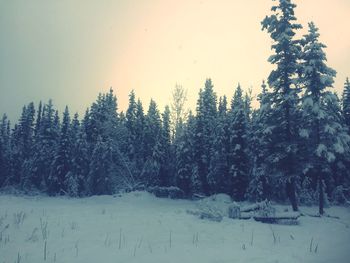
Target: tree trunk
{"type": "Point", "coordinates": [291, 194]}
{"type": "Point", "coordinates": [321, 195]}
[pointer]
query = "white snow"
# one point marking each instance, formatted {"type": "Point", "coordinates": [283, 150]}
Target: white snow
{"type": "Point", "coordinates": [138, 227]}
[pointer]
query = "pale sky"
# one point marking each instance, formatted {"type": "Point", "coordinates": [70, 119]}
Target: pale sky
{"type": "Point", "coordinates": [72, 50]}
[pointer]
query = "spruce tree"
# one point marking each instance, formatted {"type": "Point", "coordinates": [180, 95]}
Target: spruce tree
{"type": "Point", "coordinates": [322, 125]}
{"type": "Point", "coordinates": [61, 165]}
{"type": "Point", "coordinates": [152, 145]}
{"type": "Point", "coordinates": [166, 167]}
{"type": "Point", "coordinates": [283, 80]}
{"type": "Point", "coordinates": [261, 144]}
{"type": "Point", "coordinates": [205, 125]}
{"type": "Point", "coordinates": [5, 150]}
{"type": "Point", "coordinates": [238, 178]}
{"type": "Point", "coordinates": [22, 146]}
{"type": "Point", "coordinates": [45, 145]}
{"type": "Point", "coordinates": [219, 165]}
{"type": "Point", "coordinates": [346, 103]}
{"type": "Point", "coordinates": [76, 180]}
{"type": "Point", "coordinates": [186, 176]}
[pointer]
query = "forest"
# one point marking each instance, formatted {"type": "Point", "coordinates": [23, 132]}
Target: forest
{"type": "Point", "coordinates": [294, 147]}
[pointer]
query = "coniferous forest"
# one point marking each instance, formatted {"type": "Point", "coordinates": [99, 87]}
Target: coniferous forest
{"type": "Point", "coordinates": [293, 148]}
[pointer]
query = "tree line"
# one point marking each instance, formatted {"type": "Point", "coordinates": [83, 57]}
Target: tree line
{"type": "Point", "coordinates": [294, 146]}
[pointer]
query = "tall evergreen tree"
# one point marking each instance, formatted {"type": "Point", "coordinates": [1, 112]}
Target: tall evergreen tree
{"type": "Point", "coordinates": [261, 145]}
{"type": "Point", "coordinates": [219, 164]}
{"type": "Point", "coordinates": [5, 150]}
{"type": "Point", "coordinates": [45, 145]}
{"type": "Point", "coordinates": [22, 145]}
{"type": "Point", "coordinates": [238, 178]}
{"type": "Point", "coordinates": [166, 168]}
{"type": "Point", "coordinates": [283, 81]}
{"type": "Point", "coordinates": [186, 176]}
{"type": "Point", "coordinates": [321, 125]}
{"type": "Point", "coordinates": [62, 160]}
{"type": "Point", "coordinates": [76, 180]}
{"type": "Point", "coordinates": [205, 124]}
{"type": "Point", "coordinates": [346, 103]}
{"type": "Point", "coordinates": [152, 145]}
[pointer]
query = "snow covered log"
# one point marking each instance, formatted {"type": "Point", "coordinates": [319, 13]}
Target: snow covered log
{"type": "Point", "coordinates": [278, 217]}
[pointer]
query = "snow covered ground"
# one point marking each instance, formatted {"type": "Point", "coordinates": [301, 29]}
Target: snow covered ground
{"type": "Point", "coordinates": [138, 227]}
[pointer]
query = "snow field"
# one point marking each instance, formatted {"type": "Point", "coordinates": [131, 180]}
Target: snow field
{"type": "Point", "coordinates": [138, 227]}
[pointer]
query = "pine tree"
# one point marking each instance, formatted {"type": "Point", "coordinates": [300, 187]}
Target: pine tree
{"type": "Point", "coordinates": [100, 170]}
{"type": "Point", "coordinates": [261, 145]}
{"type": "Point", "coordinates": [130, 125]}
{"type": "Point", "coordinates": [205, 124]}
{"type": "Point", "coordinates": [46, 141]}
{"type": "Point", "coordinates": [282, 80]}
{"type": "Point", "coordinates": [219, 165]}
{"type": "Point", "coordinates": [238, 178]}
{"type": "Point", "coordinates": [152, 145]}
{"type": "Point", "coordinates": [346, 103]}
{"type": "Point", "coordinates": [22, 145]}
{"type": "Point", "coordinates": [186, 176]}
{"type": "Point", "coordinates": [165, 171]}
{"type": "Point", "coordinates": [61, 165]}
{"type": "Point", "coordinates": [76, 180]}
{"type": "Point", "coordinates": [321, 124]}
{"type": "Point", "coordinates": [5, 150]}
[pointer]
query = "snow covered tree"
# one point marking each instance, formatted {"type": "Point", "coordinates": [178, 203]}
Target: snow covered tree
{"type": "Point", "coordinates": [76, 180]}
{"type": "Point", "coordinates": [261, 182]}
{"type": "Point", "coordinates": [100, 171]}
{"type": "Point", "coordinates": [152, 145]}
{"type": "Point", "coordinates": [205, 124]}
{"type": "Point", "coordinates": [62, 160]}
{"type": "Point", "coordinates": [22, 145]}
{"type": "Point", "coordinates": [130, 125]}
{"type": "Point", "coordinates": [346, 103]}
{"type": "Point", "coordinates": [219, 165]}
{"type": "Point", "coordinates": [238, 177]}
{"type": "Point", "coordinates": [44, 148]}
{"type": "Point", "coordinates": [322, 125]}
{"type": "Point", "coordinates": [186, 175]}
{"type": "Point", "coordinates": [283, 81]}
{"type": "Point", "coordinates": [166, 167]}
{"type": "Point", "coordinates": [5, 150]}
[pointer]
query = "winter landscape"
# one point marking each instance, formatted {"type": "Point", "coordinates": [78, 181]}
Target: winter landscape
{"type": "Point", "coordinates": [258, 175]}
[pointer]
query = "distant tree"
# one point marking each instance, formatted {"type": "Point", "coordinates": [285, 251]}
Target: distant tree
{"type": "Point", "coordinates": [238, 177]}
{"type": "Point", "coordinates": [186, 175]}
{"type": "Point", "coordinates": [62, 162]}
{"type": "Point", "coordinates": [45, 145]}
{"type": "Point", "coordinates": [219, 163]}
{"type": "Point", "coordinates": [152, 145]}
{"type": "Point", "coordinates": [205, 125]}
{"type": "Point", "coordinates": [166, 167]}
{"type": "Point", "coordinates": [346, 103]}
{"type": "Point", "coordinates": [178, 110]}
{"type": "Point", "coordinates": [22, 145]}
{"type": "Point", "coordinates": [5, 150]}
{"type": "Point", "coordinates": [100, 169]}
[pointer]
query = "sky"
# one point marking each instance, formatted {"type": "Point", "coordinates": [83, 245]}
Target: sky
{"type": "Point", "coordinates": [72, 50]}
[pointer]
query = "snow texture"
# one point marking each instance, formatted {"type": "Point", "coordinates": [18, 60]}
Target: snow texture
{"type": "Point", "coordinates": [138, 227]}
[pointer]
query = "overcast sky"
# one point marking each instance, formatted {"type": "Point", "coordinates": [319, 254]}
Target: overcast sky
{"type": "Point", "coordinates": [72, 50]}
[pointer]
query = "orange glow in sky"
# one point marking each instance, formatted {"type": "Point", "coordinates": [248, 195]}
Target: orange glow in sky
{"type": "Point", "coordinates": [71, 50]}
